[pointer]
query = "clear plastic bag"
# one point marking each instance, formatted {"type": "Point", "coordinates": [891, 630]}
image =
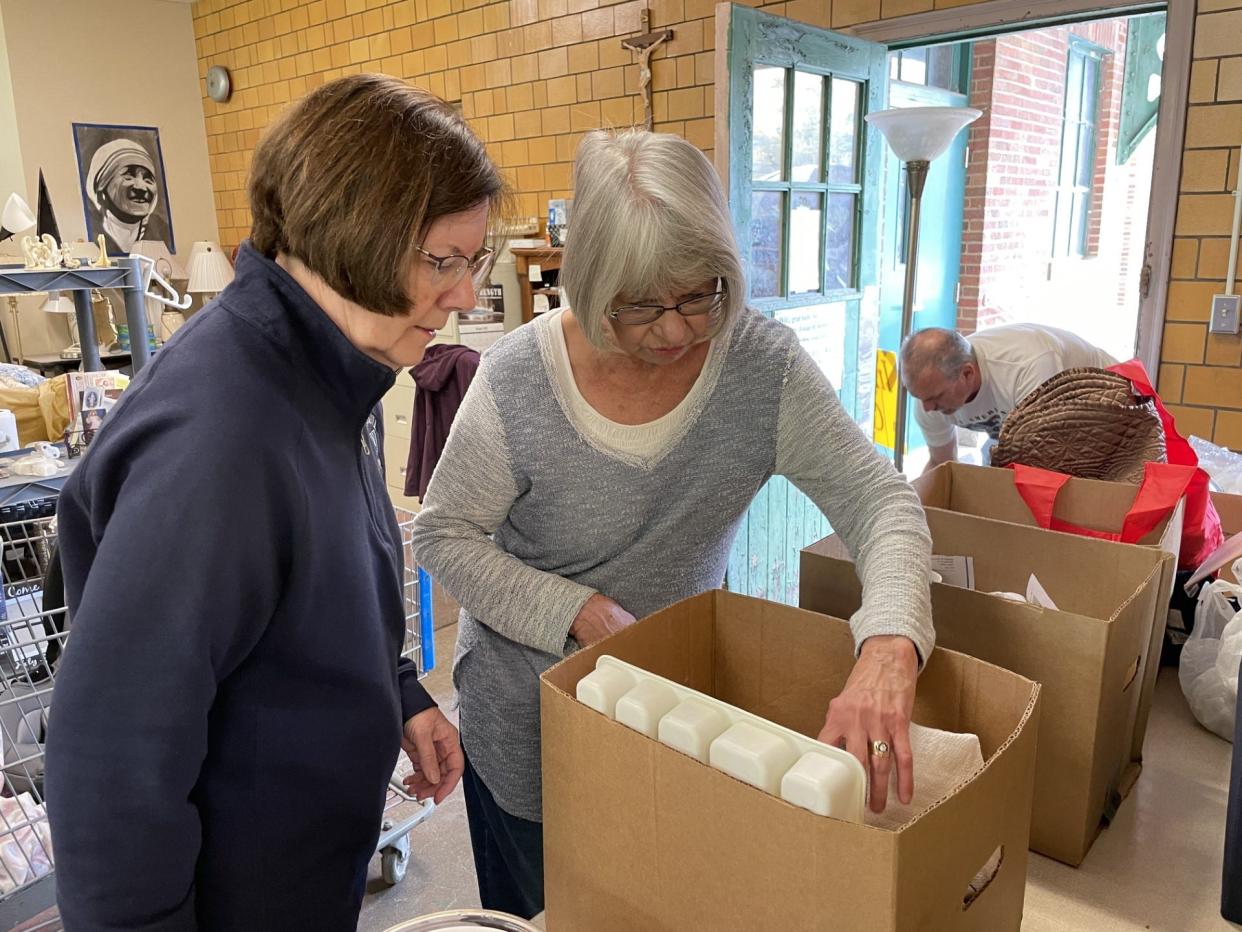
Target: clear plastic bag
{"type": "Point", "coordinates": [1223, 466]}
{"type": "Point", "coordinates": [1208, 671]}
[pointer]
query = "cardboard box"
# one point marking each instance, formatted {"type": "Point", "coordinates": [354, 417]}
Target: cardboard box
{"type": "Point", "coordinates": [1229, 507]}
{"type": "Point", "coordinates": [639, 836]}
{"type": "Point", "coordinates": [1089, 503]}
{"type": "Point", "coordinates": [1087, 655]}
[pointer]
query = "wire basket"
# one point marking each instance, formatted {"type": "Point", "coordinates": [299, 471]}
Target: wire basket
{"type": "Point", "coordinates": [33, 630]}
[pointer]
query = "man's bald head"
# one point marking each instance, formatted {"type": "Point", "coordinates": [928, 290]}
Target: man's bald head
{"type": "Point", "coordinates": [938, 368]}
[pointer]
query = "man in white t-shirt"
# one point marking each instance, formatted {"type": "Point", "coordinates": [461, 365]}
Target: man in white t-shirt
{"type": "Point", "coordinates": [976, 381]}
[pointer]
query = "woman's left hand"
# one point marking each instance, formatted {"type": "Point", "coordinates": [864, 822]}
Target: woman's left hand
{"type": "Point", "coordinates": [875, 706]}
{"type": "Point", "coordinates": [434, 748]}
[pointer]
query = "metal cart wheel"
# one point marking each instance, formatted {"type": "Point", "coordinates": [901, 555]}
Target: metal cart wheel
{"type": "Point", "coordinates": [395, 861]}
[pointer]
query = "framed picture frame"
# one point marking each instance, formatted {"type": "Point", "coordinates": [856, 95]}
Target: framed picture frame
{"type": "Point", "coordinates": [124, 187]}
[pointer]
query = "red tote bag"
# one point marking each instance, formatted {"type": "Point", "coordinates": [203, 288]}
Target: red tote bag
{"type": "Point", "coordinates": [1202, 532]}
{"type": "Point", "coordinates": [1162, 487]}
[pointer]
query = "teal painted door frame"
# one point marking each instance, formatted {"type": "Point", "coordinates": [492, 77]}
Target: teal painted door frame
{"type": "Point", "coordinates": [781, 520]}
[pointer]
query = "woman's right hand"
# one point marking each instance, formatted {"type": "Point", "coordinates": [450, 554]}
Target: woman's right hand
{"type": "Point", "coordinates": [597, 619]}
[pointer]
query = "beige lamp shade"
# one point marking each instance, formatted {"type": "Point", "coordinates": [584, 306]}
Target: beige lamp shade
{"type": "Point", "coordinates": [210, 269]}
{"type": "Point", "coordinates": [58, 303]}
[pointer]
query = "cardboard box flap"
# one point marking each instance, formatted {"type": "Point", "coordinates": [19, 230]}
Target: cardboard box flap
{"type": "Point", "coordinates": [1229, 507]}
{"type": "Point", "coordinates": [1006, 555]}
{"type": "Point", "coordinates": [781, 663]}
{"type": "Point", "coordinates": [963, 694]}
{"type": "Point", "coordinates": [990, 493]}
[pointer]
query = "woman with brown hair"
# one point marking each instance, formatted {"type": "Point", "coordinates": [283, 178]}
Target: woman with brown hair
{"type": "Point", "coordinates": [228, 715]}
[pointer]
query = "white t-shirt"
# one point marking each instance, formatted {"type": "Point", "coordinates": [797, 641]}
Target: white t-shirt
{"type": "Point", "coordinates": [1013, 360]}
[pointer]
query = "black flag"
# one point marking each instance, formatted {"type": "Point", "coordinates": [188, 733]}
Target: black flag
{"type": "Point", "coordinates": [47, 216]}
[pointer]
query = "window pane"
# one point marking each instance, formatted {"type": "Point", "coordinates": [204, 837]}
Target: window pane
{"type": "Point", "coordinates": [808, 126]}
{"type": "Point", "coordinates": [1069, 155]}
{"type": "Point", "coordinates": [843, 132]}
{"type": "Point", "coordinates": [1090, 86]}
{"type": "Point", "coordinates": [914, 66]}
{"type": "Point", "coordinates": [840, 265]}
{"type": "Point", "coordinates": [1073, 86]}
{"type": "Point", "coordinates": [804, 241]}
{"type": "Point", "coordinates": [1078, 229]}
{"type": "Point", "coordinates": [1086, 155]}
{"type": "Point", "coordinates": [940, 67]}
{"type": "Point", "coordinates": [766, 227]}
{"type": "Point", "coordinates": [768, 146]}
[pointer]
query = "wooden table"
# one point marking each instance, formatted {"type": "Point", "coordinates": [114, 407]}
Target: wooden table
{"type": "Point", "coordinates": [548, 258]}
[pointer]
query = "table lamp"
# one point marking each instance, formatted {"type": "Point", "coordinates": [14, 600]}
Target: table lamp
{"type": "Point", "coordinates": [917, 136]}
{"type": "Point", "coordinates": [15, 217]}
{"type": "Point", "coordinates": [57, 303]}
{"type": "Point", "coordinates": [210, 270]}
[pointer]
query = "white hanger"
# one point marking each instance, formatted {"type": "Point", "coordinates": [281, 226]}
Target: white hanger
{"type": "Point", "coordinates": [171, 297]}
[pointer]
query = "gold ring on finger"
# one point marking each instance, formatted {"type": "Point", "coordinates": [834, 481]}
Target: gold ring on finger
{"type": "Point", "coordinates": [879, 749]}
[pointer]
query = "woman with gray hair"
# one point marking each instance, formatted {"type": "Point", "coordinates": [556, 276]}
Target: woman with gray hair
{"type": "Point", "coordinates": [600, 466]}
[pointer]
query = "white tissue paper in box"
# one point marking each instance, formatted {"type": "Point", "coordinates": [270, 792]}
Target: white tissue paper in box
{"type": "Point", "coordinates": [943, 760]}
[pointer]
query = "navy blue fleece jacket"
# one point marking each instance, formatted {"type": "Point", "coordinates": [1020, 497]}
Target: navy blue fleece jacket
{"type": "Point", "coordinates": [230, 704]}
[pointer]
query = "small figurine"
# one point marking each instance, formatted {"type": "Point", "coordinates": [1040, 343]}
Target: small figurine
{"type": "Point", "coordinates": [102, 262]}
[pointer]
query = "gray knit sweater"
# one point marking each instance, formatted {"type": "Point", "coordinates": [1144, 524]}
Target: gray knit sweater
{"type": "Point", "coordinates": [528, 514]}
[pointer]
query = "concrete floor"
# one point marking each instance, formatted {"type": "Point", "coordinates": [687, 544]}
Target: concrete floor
{"type": "Point", "coordinates": [441, 872]}
{"type": "Point", "coordinates": [1157, 867]}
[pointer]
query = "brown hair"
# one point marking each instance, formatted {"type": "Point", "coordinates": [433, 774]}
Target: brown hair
{"type": "Point", "coordinates": [350, 177]}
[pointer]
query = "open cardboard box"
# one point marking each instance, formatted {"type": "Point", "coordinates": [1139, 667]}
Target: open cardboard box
{"type": "Point", "coordinates": [639, 836]}
{"type": "Point", "coordinates": [1229, 507]}
{"type": "Point", "coordinates": [1089, 503]}
{"type": "Point", "coordinates": [1087, 655]}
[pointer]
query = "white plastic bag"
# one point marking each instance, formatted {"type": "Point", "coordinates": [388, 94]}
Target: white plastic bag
{"type": "Point", "coordinates": [25, 842]}
{"type": "Point", "coordinates": [1208, 670]}
{"type": "Point", "coordinates": [1222, 465]}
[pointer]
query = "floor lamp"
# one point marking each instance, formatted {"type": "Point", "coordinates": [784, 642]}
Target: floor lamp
{"type": "Point", "coordinates": [917, 136]}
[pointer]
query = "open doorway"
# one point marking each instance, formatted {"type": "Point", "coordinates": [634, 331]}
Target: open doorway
{"type": "Point", "coordinates": [1070, 206]}
{"type": "Point", "coordinates": [1039, 214]}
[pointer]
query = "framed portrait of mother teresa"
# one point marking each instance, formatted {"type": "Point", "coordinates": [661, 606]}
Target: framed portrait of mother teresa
{"type": "Point", "coordinates": [123, 188]}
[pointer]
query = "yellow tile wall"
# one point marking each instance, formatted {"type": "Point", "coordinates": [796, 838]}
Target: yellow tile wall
{"type": "Point", "coordinates": [533, 75]}
{"type": "Point", "coordinates": [1201, 372]}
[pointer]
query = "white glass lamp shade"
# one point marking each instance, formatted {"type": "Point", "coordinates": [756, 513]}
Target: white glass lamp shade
{"type": "Point", "coordinates": [156, 251]}
{"type": "Point", "coordinates": [210, 269]}
{"type": "Point", "coordinates": [58, 303]}
{"type": "Point", "coordinates": [921, 134]}
{"type": "Point", "coordinates": [16, 215]}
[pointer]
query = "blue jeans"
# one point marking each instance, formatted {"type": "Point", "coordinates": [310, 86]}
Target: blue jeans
{"type": "Point", "coordinates": [508, 852]}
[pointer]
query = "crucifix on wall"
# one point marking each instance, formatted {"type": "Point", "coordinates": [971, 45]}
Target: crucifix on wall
{"type": "Point", "coordinates": [645, 45]}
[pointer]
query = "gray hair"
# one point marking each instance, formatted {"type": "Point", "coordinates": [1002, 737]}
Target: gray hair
{"type": "Point", "coordinates": [946, 350]}
{"type": "Point", "coordinates": [649, 219]}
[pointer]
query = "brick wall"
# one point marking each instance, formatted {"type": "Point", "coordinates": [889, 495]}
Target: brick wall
{"type": "Point", "coordinates": [1202, 372]}
{"type": "Point", "coordinates": [532, 75]}
{"type": "Point", "coordinates": [1018, 81]}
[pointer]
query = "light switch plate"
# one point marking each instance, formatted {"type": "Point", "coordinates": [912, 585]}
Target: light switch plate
{"type": "Point", "coordinates": [1224, 313]}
